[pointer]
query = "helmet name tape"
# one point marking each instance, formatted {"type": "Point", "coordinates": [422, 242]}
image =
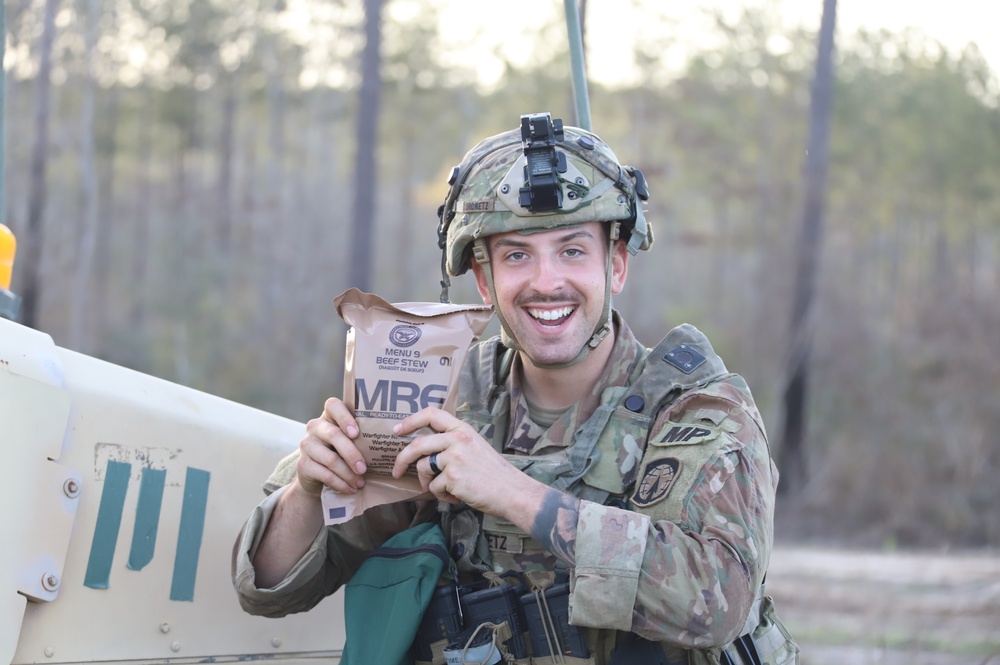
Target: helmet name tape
{"type": "Point", "coordinates": [477, 206]}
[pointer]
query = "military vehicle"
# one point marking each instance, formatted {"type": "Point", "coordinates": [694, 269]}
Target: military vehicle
{"type": "Point", "coordinates": [124, 497]}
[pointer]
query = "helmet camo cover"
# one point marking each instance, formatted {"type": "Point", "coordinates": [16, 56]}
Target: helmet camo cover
{"type": "Point", "coordinates": [483, 197]}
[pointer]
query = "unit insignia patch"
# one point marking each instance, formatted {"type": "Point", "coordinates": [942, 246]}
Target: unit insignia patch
{"type": "Point", "coordinates": [658, 477]}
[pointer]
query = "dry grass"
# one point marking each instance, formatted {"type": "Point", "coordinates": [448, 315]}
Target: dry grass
{"type": "Point", "coordinates": [851, 606]}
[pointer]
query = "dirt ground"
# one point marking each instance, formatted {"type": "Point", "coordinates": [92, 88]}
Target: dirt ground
{"type": "Point", "coordinates": [868, 608]}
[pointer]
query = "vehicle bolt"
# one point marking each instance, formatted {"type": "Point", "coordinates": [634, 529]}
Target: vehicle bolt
{"type": "Point", "coordinates": [175, 646]}
{"type": "Point", "coordinates": [275, 642]}
{"type": "Point", "coordinates": [164, 627]}
{"type": "Point", "coordinates": [50, 581]}
{"type": "Point", "coordinates": [71, 488]}
{"type": "Point", "coordinates": [49, 652]}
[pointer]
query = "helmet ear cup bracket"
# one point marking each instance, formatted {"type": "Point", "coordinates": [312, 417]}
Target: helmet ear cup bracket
{"type": "Point", "coordinates": [480, 253]}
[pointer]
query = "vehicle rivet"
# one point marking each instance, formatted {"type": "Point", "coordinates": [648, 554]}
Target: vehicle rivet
{"type": "Point", "coordinates": [49, 652]}
{"type": "Point", "coordinates": [175, 646]}
{"type": "Point", "coordinates": [275, 642]}
{"type": "Point", "coordinates": [164, 627]}
{"type": "Point", "coordinates": [71, 488]}
{"type": "Point", "coordinates": [50, 581]}
{"type": "Point", "coordinates": [504, 188]}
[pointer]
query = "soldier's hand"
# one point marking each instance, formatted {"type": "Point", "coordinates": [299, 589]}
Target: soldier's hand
{"type": "Point", "coordinates": [328, 455]}
{"type": "Point", "coordinates": [467, 468]}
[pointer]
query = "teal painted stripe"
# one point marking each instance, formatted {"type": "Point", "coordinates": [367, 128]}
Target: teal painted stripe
{"type": "Point", "coordinates": [147, 518]}
{"type": "Point", "coordinates": [109, 521]}
{"type": "Point", "coordinates": [191, 530]}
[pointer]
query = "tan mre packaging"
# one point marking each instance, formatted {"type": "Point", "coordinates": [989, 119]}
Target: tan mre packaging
{"type": "Point", "coordinates": [401, 358]}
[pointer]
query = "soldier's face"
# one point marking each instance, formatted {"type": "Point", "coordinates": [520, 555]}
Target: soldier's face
{"type": "Point", "coordinates": [550, 287]}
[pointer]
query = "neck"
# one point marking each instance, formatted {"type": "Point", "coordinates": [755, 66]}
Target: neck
{"type": "Point", "coordinates": [561, 388]}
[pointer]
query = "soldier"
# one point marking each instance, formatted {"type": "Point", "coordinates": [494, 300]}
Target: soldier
{"type": "Point", "coordinates": [640, 476]}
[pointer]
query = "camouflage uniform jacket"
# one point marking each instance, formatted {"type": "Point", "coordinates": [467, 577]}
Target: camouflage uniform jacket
{"type": "Point", "coordinates": [676, 524]}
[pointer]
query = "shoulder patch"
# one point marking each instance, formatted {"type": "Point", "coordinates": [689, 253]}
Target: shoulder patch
{"type": "Point", "coordinates": [658, 477]}
{"type": "Point", "coordinates": [685, 434]}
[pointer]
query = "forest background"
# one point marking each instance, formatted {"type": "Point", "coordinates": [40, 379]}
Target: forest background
{"type": "Point", "coordinates": [192, 167]}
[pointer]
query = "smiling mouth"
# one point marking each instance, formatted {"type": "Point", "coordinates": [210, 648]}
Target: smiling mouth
{"type": "Point", "coordinates": [551, 317]}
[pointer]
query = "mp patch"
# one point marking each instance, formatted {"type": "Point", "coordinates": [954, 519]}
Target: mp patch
{"type": "Point", "coordinates": [685, 434]}
{"type": "Point", "coordinates": [657, 478]}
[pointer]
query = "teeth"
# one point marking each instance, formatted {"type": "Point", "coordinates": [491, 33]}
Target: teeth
{"type": "Point", "coordinates": [550, 314]}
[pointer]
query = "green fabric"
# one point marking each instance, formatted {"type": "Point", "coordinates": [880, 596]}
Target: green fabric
{"type": "Point", "coordinates": [386, 598]}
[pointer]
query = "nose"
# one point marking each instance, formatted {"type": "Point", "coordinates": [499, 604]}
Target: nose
{"type": "Point", "coordinates": [548, 275]}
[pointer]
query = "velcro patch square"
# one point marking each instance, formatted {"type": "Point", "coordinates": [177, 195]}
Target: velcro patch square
{"type": "Point", "coordinates": [685, 358]}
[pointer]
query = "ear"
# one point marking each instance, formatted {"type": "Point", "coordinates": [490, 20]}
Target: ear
{"type": "Point", "coordinates": [484, 290]}
{"type": "Point", "coordinates": [619, 266]}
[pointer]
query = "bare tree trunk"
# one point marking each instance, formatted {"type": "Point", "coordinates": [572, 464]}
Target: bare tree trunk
{"type": "Point", "coordinates": [141, 226]}
{"type": "Point", "coordinates": [227, 147]}
{"type": "Point", "coordinates": [363, 213]}
{"type": "Point", "coordinates": [87, 238]}
{"type": "Point", "coordinates": [277, 252]}
{"type": "Point", "coordinates": [106, 222]}
{"type": "Point", "coordinates": [793, 441]}
{"type": "Point", "coordinates": [277, 99]}
{"type": "Point", "coordinates": [404, 235]}
{"type": "Point", "coordinates": [32, 240]}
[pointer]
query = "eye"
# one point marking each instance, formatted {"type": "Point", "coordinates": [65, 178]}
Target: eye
{"type": "Point", "coordinates": [573, 252]}
{"type": "Point", "coordinates": [516, 255]}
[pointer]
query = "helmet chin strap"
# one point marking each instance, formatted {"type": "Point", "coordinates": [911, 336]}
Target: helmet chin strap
{"type": "Point", "coordinates": [602, 330]}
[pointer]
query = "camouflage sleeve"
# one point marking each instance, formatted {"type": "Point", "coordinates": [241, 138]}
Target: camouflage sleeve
{"type": "Point", "coordinates": [683, 563]}
{"type": "Point", "coordinates": [610, 548]}
{"type": "Point", "coordinates": [335, 555]}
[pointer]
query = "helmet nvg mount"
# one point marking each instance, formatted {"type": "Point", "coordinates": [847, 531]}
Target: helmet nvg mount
{"type": "Point", "coordinates": [541, 177]}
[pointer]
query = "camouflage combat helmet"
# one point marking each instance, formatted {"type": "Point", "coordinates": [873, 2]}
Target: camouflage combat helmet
{"type": "Point", "coordinates": [540, 177]}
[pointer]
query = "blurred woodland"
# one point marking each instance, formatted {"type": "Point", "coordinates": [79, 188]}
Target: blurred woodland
{"type": "Point", "coordinates": [193, 172]}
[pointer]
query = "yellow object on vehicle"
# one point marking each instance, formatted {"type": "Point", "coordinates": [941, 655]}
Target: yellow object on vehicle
{"type": "Point", "coordinates": [8, 247]}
